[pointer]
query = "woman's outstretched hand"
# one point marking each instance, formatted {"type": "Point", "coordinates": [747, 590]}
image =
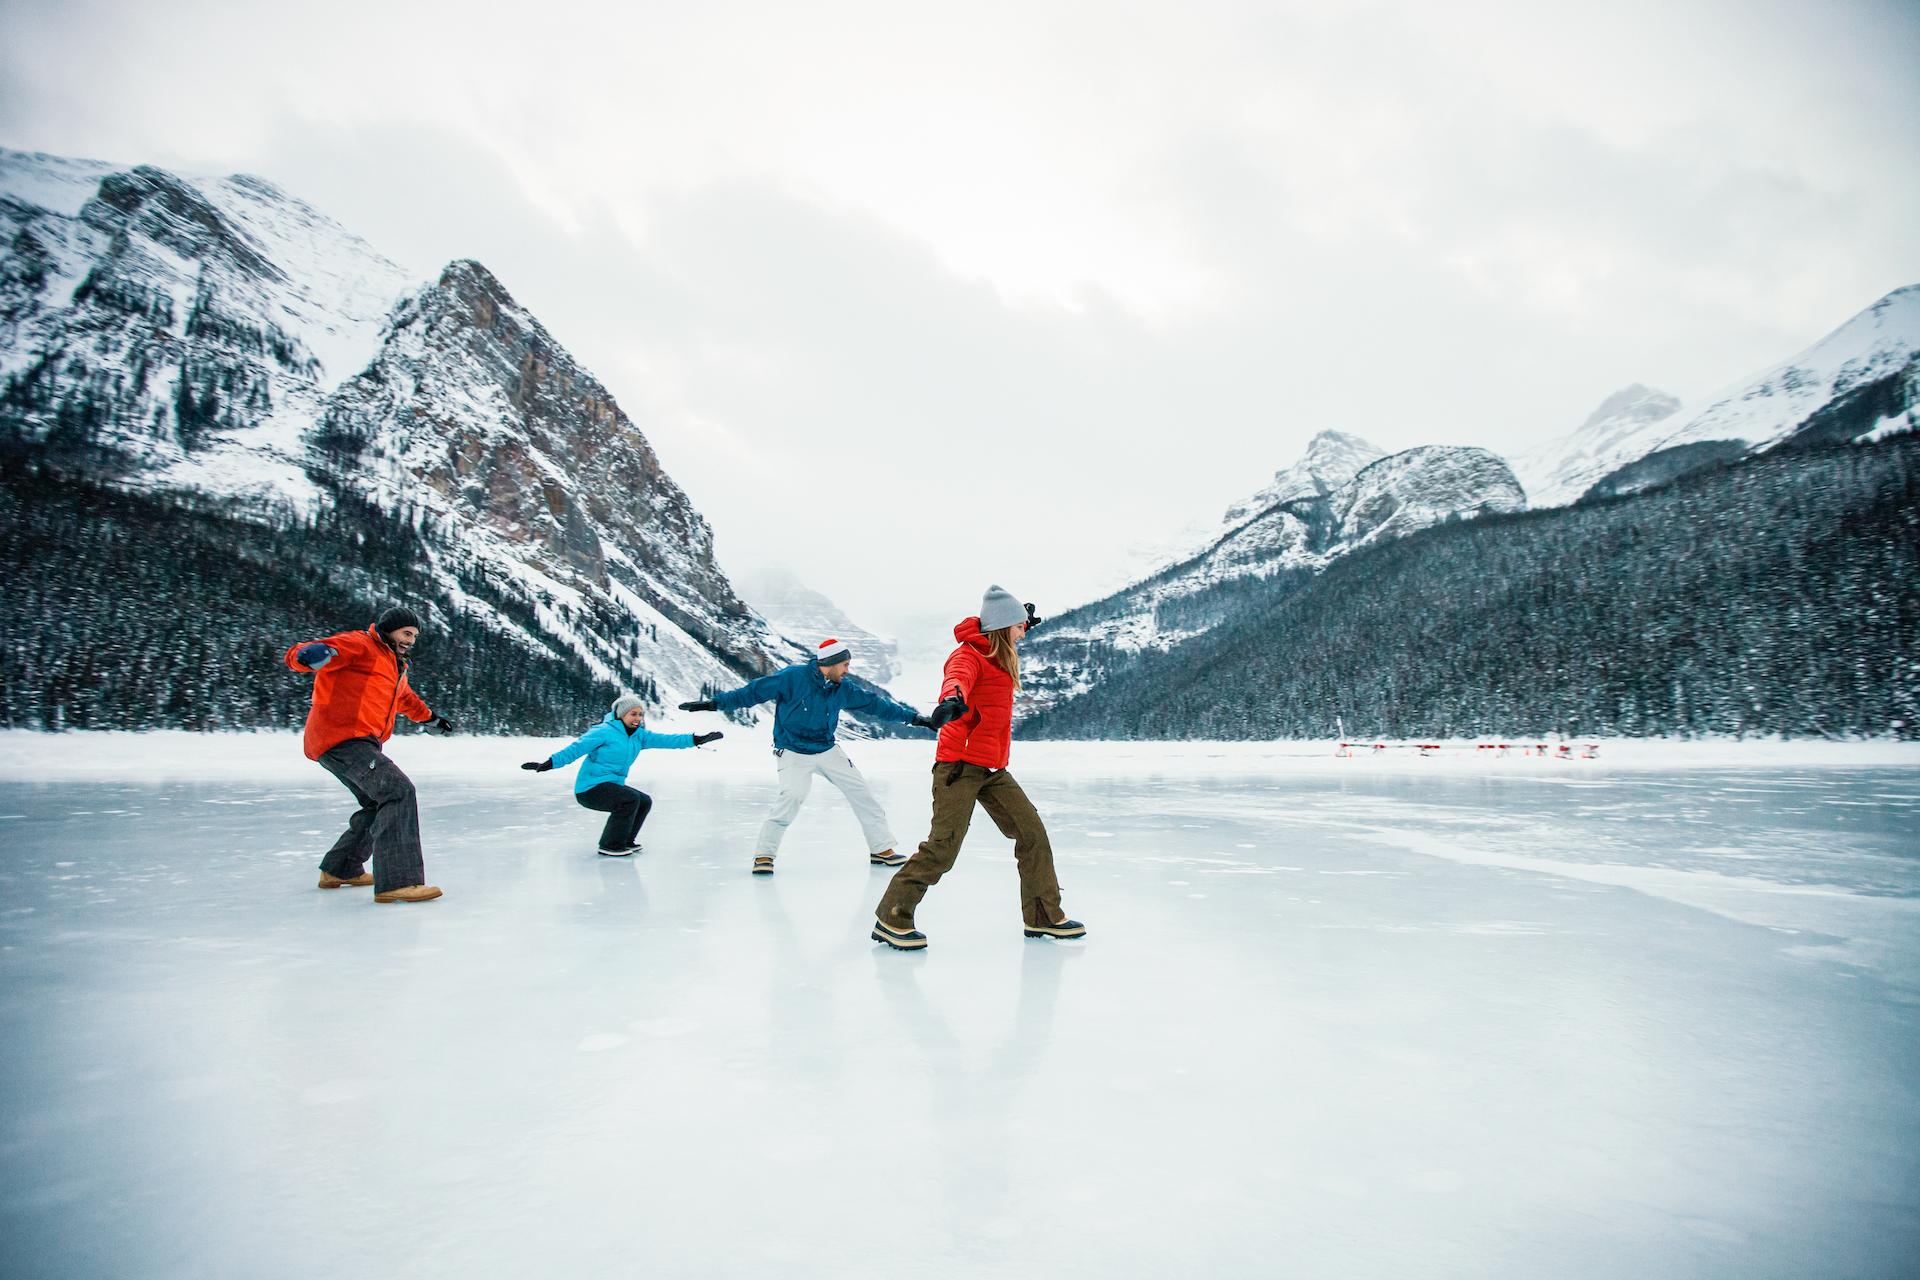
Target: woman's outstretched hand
{"type": "Point", "coordinates": [951, 708]}
{"type": "Point", "coordinates": [702, 739]}
{"type": "Point", "coordinates": [538, 766]}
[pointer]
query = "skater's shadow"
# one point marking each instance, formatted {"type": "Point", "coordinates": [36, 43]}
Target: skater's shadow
{"type": "Point", "coordinates": [972, 1105]}
{"type": "Point", "coordinates": [800, 996]}
{"type": "Point", "coordinates": [621, 883]}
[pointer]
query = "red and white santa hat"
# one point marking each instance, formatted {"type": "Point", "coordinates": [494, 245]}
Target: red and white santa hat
{"type": "Point", "coordinates": [832, 651]}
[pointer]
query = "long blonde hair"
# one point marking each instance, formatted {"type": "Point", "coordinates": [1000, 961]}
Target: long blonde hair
{"type": "Point", "coordinates": [1004, 652]}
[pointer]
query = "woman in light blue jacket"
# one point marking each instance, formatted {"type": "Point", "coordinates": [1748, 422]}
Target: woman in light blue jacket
{"type": "Point", "coordinates": [610, 748]}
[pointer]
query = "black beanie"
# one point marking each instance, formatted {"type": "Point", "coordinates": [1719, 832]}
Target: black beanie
{"type": "Point", "coordinates": [394, 619]}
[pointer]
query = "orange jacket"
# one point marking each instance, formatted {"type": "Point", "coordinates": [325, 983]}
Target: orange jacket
{"type": "Point", "coordinates": [358, 693]}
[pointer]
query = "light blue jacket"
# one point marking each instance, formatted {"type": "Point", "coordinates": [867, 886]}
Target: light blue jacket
{"type": "Point", "coordinates": [610, 751]}
{"type": "Point", "coordinates": [806, 709]}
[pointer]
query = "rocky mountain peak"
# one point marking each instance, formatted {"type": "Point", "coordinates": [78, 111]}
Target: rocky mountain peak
{"type": "Point", "coordinates": [1330, 460]}
{"type": "Point", "coordinates": [1563, 468]}
{"type": "Point", "coordinates": [806, 617]}
{"type": "Point", "coordinates": [1340, 497]}
{"type": "Point", "coordinates": [1420, 487]}
{"type": "Point", "coordinates": [216, 335]}
{"type": "Point", "coordinates": [1636, 403]}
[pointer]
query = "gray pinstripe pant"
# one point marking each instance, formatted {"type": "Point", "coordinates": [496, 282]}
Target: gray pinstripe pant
{"type": "Point", "coordinates": [386, 826]}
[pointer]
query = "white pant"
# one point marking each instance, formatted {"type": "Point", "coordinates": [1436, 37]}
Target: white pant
{"type": "Point", "coordinates": [796, 779]}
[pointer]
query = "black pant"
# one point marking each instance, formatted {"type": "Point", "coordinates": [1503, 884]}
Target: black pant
{"type": "Point", "coordinates": [626, 810]}
{"type": "Point", "coordinates": [386, 826]}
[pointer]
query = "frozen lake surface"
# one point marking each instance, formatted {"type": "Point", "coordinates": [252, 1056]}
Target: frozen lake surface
{"type": "Point", "coordinates": [1652, 1015]}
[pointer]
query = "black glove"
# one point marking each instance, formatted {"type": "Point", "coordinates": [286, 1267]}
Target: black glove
{"type": "Point", "coordinates": [951, 708]}
{"type": "Point", "coordinates": [1033, 619]}
{"type": "Point", "coordinates": [697, 706]}
{"type": "Point", "coordinates": [315, 656]}
{"type": "Point", "coordinates": [441, 724]}
{"type": "Point", "coordinates": [702, 739]}
{"type": "Point", "coordinates": [539, 766]}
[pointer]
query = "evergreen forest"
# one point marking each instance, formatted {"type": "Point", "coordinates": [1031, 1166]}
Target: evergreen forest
{"type": "Point", "coordinates": [124, 610]}
{"type": "Point", "coordinates": [1776, 595]}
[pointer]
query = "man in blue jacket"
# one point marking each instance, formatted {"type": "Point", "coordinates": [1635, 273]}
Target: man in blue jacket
{"type": "Point", "coordinates": [807, 701]}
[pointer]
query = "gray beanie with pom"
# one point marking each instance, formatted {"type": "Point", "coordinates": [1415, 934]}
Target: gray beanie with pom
{"type": "Point", "coordinates": [625, 703]}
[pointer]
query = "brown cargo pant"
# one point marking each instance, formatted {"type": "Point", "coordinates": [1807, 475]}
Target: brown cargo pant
{"type": "Point", "coordinates": [955, 789]}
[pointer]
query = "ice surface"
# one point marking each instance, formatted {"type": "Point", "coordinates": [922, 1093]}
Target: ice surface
{"type": "Point", "coordinates": [1653, 1014]}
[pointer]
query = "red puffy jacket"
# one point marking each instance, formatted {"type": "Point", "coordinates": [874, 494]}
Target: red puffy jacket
{"type": "Point", "coordinates": [358, 693]}
{"type": "Point", "coordinates": [983, 736]}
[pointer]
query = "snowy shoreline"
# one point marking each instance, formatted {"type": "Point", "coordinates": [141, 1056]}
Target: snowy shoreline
{"type": "Point", "coordinates": [33, 756]}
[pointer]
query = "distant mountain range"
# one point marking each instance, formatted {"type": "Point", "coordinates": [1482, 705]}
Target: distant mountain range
{"type": "Point", "coordinates": [1860, 383]}
{"type": "Point", "coordinates": [233, 421]}
{"type": "Point", "coordinates": [1771, 595]}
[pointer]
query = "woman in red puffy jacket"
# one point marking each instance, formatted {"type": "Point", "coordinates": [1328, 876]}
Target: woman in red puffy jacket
{"type": "Point", "coordinates": [969, 767]}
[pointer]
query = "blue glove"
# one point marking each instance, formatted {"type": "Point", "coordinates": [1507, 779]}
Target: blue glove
{"type": "Point", "coordinates": [316, 655]}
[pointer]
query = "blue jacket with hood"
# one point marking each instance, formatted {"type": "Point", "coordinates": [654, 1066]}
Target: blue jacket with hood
{"type": "Point", "coordinates": [806, 709]}
{"type": "Point", "coordinates": [611, 750]}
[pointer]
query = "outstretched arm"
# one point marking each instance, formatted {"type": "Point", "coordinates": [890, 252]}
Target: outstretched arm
{"type": "Point", "coordinates": [412, 707]}
{"type": "Point", "coordinates": [959, 675]}
{"type": "Point", "coordinates": [876, 701]}
{"type": "Point", "coordinates": [651, 741]}
{"type": "Point", "coordinates": [311, 655]}
{"type": "Point", "coordinates": [752, 693]}
{"type": "Point", "coordinates": [956, 689]}
{"type": "Point", "coordinates": [578, 747]}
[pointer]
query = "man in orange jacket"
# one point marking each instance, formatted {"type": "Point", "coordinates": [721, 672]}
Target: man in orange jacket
{"type": "Point", "coordinates": [359, 686]}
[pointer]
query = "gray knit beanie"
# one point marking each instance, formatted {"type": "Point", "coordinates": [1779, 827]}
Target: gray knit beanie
{"type": "Point", "coordinates": [999, 609]}
{"type": "Point", "coordinates": [625, 703]}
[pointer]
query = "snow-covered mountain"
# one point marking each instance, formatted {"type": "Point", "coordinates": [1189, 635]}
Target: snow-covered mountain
{"type": "Point", "coordinates": [806, 617]}
{"type": "Point", "coordinates": [191, 330]}
{"type": "Point", "coordinates": [1341, 495]}
{"type": "Point", "coordinates": [1858, 381]}
{"type": "Point", "coordinates": [1332, 458]}
{"type": "Point", "coordinates": [1409, 491]}
{"type": "Point", "coordinates": [1559, 471]}
{"type": "Point", "coordinates": [1861, 381]}
{"type": "Point", "coordinates": [217, 336]}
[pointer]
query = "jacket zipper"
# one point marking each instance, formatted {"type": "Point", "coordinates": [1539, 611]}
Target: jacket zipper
{"type": "Point", "coordinates": [399, 674]}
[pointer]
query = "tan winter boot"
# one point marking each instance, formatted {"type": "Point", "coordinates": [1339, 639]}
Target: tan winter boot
{"type": "Point", "coordinates": [360, 881]}
{"type": "Point", "coordinates": [412, 893]}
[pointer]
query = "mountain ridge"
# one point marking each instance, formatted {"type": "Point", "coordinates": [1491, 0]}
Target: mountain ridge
{"type": "Point", "coordinates": [221, 337]}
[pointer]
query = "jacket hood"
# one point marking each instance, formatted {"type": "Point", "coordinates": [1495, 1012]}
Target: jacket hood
{"type": "Point", "coordinates": [967, 631]}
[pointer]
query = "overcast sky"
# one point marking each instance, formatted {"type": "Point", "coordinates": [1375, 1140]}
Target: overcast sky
{"type": "Point", "coordinates": [913, 298]}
